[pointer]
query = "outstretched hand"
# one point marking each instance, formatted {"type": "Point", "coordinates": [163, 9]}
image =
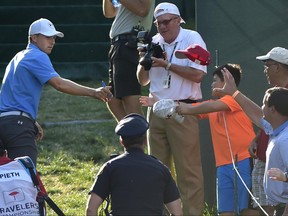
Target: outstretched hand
{"type": "Point", "coordinates": [229, 88]}
{"type": "Point", "coordinates": [183, 108]}
{"type": "Point", "coordinates": [104, 94]}
{"type": "Point", "coordinates": [148, 101]}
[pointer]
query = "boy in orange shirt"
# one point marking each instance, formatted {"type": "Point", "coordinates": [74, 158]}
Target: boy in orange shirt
{"type": "Point", "coordinates": [232, 133]}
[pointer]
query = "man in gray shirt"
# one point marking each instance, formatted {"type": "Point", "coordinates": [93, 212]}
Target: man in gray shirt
{"type": "Point", "coordinates": [130, 18]}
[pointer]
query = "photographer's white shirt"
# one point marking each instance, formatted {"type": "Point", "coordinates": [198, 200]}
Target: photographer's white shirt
{"type": "Point", "coordinates": [180, 88]}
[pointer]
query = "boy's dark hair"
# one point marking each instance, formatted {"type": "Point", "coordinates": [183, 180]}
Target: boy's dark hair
{"type": "Point", "coordinates": [234, 69]}
{"type": "Point", "coordinates": [278, 97]}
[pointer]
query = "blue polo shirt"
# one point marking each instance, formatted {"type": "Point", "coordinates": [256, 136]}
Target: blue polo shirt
{"type": "Point", "coordinates": [276, 154]}
{"type": "Point", "coordinates": [23, 81]}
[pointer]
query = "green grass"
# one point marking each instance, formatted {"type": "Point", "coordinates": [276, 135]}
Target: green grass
{"type": "Point", "coordinates": [74, 147]}
{"type": "Point", "coordinates": [72, 151]}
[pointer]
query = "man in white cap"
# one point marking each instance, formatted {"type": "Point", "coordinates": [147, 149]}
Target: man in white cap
{"type": "Point", "coordinates": [24, 78]}
{"type": "Point", "coordinates": [177, 79]}
{"type": "Point", "coordinates": [276, 71]}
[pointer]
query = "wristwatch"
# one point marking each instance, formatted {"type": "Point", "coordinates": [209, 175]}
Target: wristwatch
{"type": "Point", "coordinates": [168, 66]}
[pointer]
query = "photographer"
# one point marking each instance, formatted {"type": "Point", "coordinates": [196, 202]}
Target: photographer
{"type": "Point", "coordinates": [178, 79]}
{"type": "Point", "coordinates": [131, 16]}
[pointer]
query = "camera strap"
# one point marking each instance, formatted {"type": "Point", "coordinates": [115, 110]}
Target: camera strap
{"type": "Point", "coordinates": [167, 80]}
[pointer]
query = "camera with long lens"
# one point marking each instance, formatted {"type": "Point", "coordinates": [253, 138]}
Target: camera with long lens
{"type": "Point", "coordinates": [150, 49]}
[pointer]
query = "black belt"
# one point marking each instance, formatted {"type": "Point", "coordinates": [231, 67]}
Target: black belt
{"type": "Point", "coordinates": [123, 37]}
{"type": "Point", "coordinates": [188, 101]}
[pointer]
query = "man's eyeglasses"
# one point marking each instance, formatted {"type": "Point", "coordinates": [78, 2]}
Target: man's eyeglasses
{"type": "Point", "coordinates": [164, 22]}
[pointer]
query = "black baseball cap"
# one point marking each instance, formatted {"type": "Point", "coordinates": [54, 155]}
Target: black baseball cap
{"type": "Point", "coordinates": [132, 125]}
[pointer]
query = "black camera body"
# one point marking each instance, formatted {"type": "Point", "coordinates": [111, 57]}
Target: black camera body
{"type": "Point", "coordinates": [150, 48]}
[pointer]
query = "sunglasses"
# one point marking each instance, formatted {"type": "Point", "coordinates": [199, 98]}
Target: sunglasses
{"type": "Point", "coordinates": [164, 22]}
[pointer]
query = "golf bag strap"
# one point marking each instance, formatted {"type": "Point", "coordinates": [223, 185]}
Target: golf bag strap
{"type": "Point", "coordinates": [53, 205]}
{"type": "Point", "coordinates": [27, 162]}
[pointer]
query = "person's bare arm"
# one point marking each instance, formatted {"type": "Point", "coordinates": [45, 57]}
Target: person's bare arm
{"type": "Point", "coordinates": [109, 11]}
{"type": "Point", "coordinates": [142, 76]}
{"type": "Point", "coordinates": [72, 88]}
{"type": "Point", "coordinates": [174, 207]}
{"type": "Point", "coordinates": [252, 110]}
{"type": "Point", "coordinates": [93, 203]}
{"type": "Point", "coordinates": [139, 7]}
{"type": "Point", "coordinates": [186, 72]}
{"type": "Point", "coordinates": [205, 107]}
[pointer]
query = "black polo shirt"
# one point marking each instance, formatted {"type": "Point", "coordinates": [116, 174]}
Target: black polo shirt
{"type": "Point", "coordinates": [138, 183]}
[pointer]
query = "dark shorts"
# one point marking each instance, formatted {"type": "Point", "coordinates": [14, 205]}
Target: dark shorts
{"type": "Point", "coordinates": [18, 136]}
{"type": "Point", "coordinates": [123, 62]}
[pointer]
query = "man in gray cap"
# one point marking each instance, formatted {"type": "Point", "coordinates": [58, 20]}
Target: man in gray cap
{"type": "Point", "coordinates": [276, 71]}
{"type": "Point", "coordinates": [138, 183]}
{"type": "Point", "coordinates": [24, 78]}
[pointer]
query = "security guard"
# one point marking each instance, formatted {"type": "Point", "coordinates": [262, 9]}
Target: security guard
{"type": "Point", "coordinates": [138, 183]}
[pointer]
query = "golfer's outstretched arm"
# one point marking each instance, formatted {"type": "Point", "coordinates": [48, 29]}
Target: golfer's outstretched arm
{"type": "Point", "coordinates": [69, 87]}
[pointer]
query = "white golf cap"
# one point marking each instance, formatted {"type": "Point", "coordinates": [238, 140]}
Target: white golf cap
{"type": "Point", "coordinates": [44, 27]}
{"type": "Point", "coordinates": [167, 8]}
{"type": "Point", "coordinates": [277, 54]}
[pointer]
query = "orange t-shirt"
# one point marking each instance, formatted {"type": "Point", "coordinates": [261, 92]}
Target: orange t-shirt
{"type": "Point", "coordinates": [239, 128]}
